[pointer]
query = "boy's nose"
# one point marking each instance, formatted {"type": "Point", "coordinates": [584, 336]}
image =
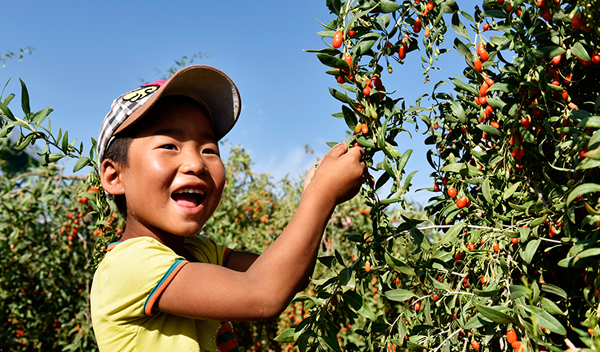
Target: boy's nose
{"type": "Point", "coordinates": [193, 163]}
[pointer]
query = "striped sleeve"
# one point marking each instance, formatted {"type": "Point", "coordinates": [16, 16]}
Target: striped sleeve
{"type": "Point", "coordinates": [162, 285]}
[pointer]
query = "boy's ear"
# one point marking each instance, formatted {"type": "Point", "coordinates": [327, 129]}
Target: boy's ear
{"type": "Point", "coordinates": [110, 176]}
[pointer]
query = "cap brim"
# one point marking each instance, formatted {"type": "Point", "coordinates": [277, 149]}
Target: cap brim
{"type": "Point", "coordinates": [209, 86]}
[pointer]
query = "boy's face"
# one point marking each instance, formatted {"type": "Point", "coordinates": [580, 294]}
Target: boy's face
{"type": "Point", "coordinates": [175, 176]}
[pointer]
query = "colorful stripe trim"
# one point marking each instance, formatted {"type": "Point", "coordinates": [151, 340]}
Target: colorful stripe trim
{"type": "Point", "coordinates": [112, 245]}
{"type": "Point", "coordinates": [162, 285]}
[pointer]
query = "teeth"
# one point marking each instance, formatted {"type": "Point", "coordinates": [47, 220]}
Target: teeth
{"type": "Point", "coordinates": [190, 190]}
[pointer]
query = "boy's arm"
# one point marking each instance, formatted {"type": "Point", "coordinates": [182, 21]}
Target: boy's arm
{"type": "Point", "coordinates": [241, 260]}
{"type": "Point", "coordinates": [262, 291]}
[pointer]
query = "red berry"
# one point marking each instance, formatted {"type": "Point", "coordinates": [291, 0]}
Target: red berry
{"type": "Point", "coordinates": [417, 25]}
{"type": "Point", "coordinates": [338, 38]}
{"type": "Point", "coordinates": [577, 21]}
{"type": "Point", "coordinates": [511, 336]}
{"type": "Point", "coordinates": [402, 52]}
{"type": "Point", "coordinates": [452, 192]}
{"type": "Point", "coordinates": [556, 60]}
{"type": "Point", "coordinates": [595, 57]}
{"type": "Point", "coordinates": [477, 64]}
{"type": "Point", "coordinates": [546, 14]}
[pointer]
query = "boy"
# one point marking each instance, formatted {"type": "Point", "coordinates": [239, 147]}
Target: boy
{"type": "Point", "coordinates": [163, 287]}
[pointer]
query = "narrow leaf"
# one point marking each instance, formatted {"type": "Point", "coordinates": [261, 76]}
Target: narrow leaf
{"type": "Point", "coordinates": [24, 98]}
{"type": "Point", "coordinates": [453, 232]}
{"type": "Point", "coordinates": [399, 295]}
{"type": "Point", "coordinates": [495, 314]}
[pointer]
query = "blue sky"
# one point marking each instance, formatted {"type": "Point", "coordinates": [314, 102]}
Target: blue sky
{"type": "Point", "coordinates": [88, 53]}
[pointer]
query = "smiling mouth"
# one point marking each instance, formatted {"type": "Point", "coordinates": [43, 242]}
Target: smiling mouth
{"type": "Point", "coordinates": [188, 197]}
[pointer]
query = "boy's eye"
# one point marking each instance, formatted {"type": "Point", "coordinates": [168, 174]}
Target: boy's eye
{"type": "Point", "coordinates": [168, 146]}
{"type": "Point", "coordinates": [209, 151]}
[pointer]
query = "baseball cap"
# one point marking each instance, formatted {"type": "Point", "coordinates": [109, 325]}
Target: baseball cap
{"type": "Point", "coordinates": [210, 87]}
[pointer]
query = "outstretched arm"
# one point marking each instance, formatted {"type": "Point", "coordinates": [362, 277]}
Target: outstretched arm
{"type": "Point", "coordinates": [211, 292]}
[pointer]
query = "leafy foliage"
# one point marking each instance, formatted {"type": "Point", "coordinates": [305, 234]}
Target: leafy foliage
{"type": "Point", "coordinates": [514, 157]}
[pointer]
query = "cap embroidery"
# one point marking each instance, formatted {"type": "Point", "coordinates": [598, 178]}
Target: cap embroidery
{"type": "Point", "coordinates": [140, 93]}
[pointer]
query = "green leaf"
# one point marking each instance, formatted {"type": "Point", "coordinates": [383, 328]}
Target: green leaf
{"type": "Point", "coordinates": [65, 142]}
{"type": "Point", "coordinates": [590, 122]}
{"type": "Point", "coordinates": [476, 322]}
{"type": "Point", "coordinates": [332, 61]}
{"type": "Point", "coordinates": [549, 52]}
{"type": "Point", "coordinates": [399, 265]}
{"type": "Point", "coordinates": [458, 111]}
{"type": "Point", "coordinates": [41, 115]}
{"type": "Point", "coordinates": [463, 86]}
{"type": "Point", "coordinates": [331, 342]}
{"type": "Point", "coordinates": [286, 336]}
{"type": "Point", "coordinates": [384, 20]}
{"type": "Point", "coordinates": [543, 318]}
{"type": "Point", "coordinates": [403, 159]}
{"type": "Point", "coordinates": [459, 27]}
{"type": "Point", "coordinates": [52, 157]}
{"type": "Point", "coordinates": [490, 130]}
{"type": "Point", "coordinates": [24, 99]}
{"type": "Point", "coordinates": [25, 142]}
{"type": "Point", "coordinates": [365, 142]}
{"type": "Point", "coordinates": [353, 299]}
{"type": "Point", "coordinates": [486, 191]}
{"type": "Point", "coordinates": [340, 96]}
{"type": "Point", "coordinates": [81, 163]}
{"type": "Point", "coordinates": [454, 167]}
{"type": "Point", "coordinates": [6, 111]}
{"type": "Point", "coordinates": [349, 117]}
{"type": "Point", "coordinates": [510, 191]}
{"type": "Point", "coordinates": [366, 43]}
{"type": "Point", "coordinates": [502, 87]}
{"type": "Point", "coordinates": [488, 293]}
{"type": "Point", "coordinates": [453, 232]}
{"type": "Point", "coordinates": [530, 250]}
{"type": "Point", "coordinates": [551, 307]}
{"type": "Point", "coordinates": [582, 189]}
{"type": "Point", "coordinates": [496, 314]}
{"type": "Point", "coordinates": [399, 295]}
{"type": "Point", "coordinates": [518, 291]}
{"type": "Point", "coordinates": [388, 6]}
{"type": "Point", "coordinates": [554, 289]}
{"type": "Point", "coordinates": [494, 13]}
{"type": "Point", "coordinates": [579, 51]}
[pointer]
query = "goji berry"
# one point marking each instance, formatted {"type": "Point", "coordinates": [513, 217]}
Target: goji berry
{"type": "Point", "coordinates": [452, 192]}
{"type": "Point", "coordinates": [417, 25]}
{"type": "Point", "coordinates": [338, 38]}
{"type": "Point", "coordinates": [511, 336]}
{"type": "Point", "coordinates": [402, 52]}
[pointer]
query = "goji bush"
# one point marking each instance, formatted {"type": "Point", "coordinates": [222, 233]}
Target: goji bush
{"type": "Point", "coordinates": [506, 256]}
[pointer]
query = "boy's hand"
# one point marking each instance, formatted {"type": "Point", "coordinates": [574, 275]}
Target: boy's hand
{"type": "Point", "coordinates": [338, 173]}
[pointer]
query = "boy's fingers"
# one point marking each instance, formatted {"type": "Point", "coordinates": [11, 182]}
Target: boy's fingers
{"type": "Point", "coordinates": [339, 149]}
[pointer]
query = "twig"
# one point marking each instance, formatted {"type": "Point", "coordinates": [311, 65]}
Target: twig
{"type": "Point", "coordinates": [446, 340]}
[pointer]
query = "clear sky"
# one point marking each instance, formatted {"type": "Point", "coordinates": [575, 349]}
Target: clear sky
{"type": "Point", "coordinates": [88, 53]}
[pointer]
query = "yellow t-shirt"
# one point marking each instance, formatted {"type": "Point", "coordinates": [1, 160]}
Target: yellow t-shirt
{"type": "Point", "coordinates": [126, 285]}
